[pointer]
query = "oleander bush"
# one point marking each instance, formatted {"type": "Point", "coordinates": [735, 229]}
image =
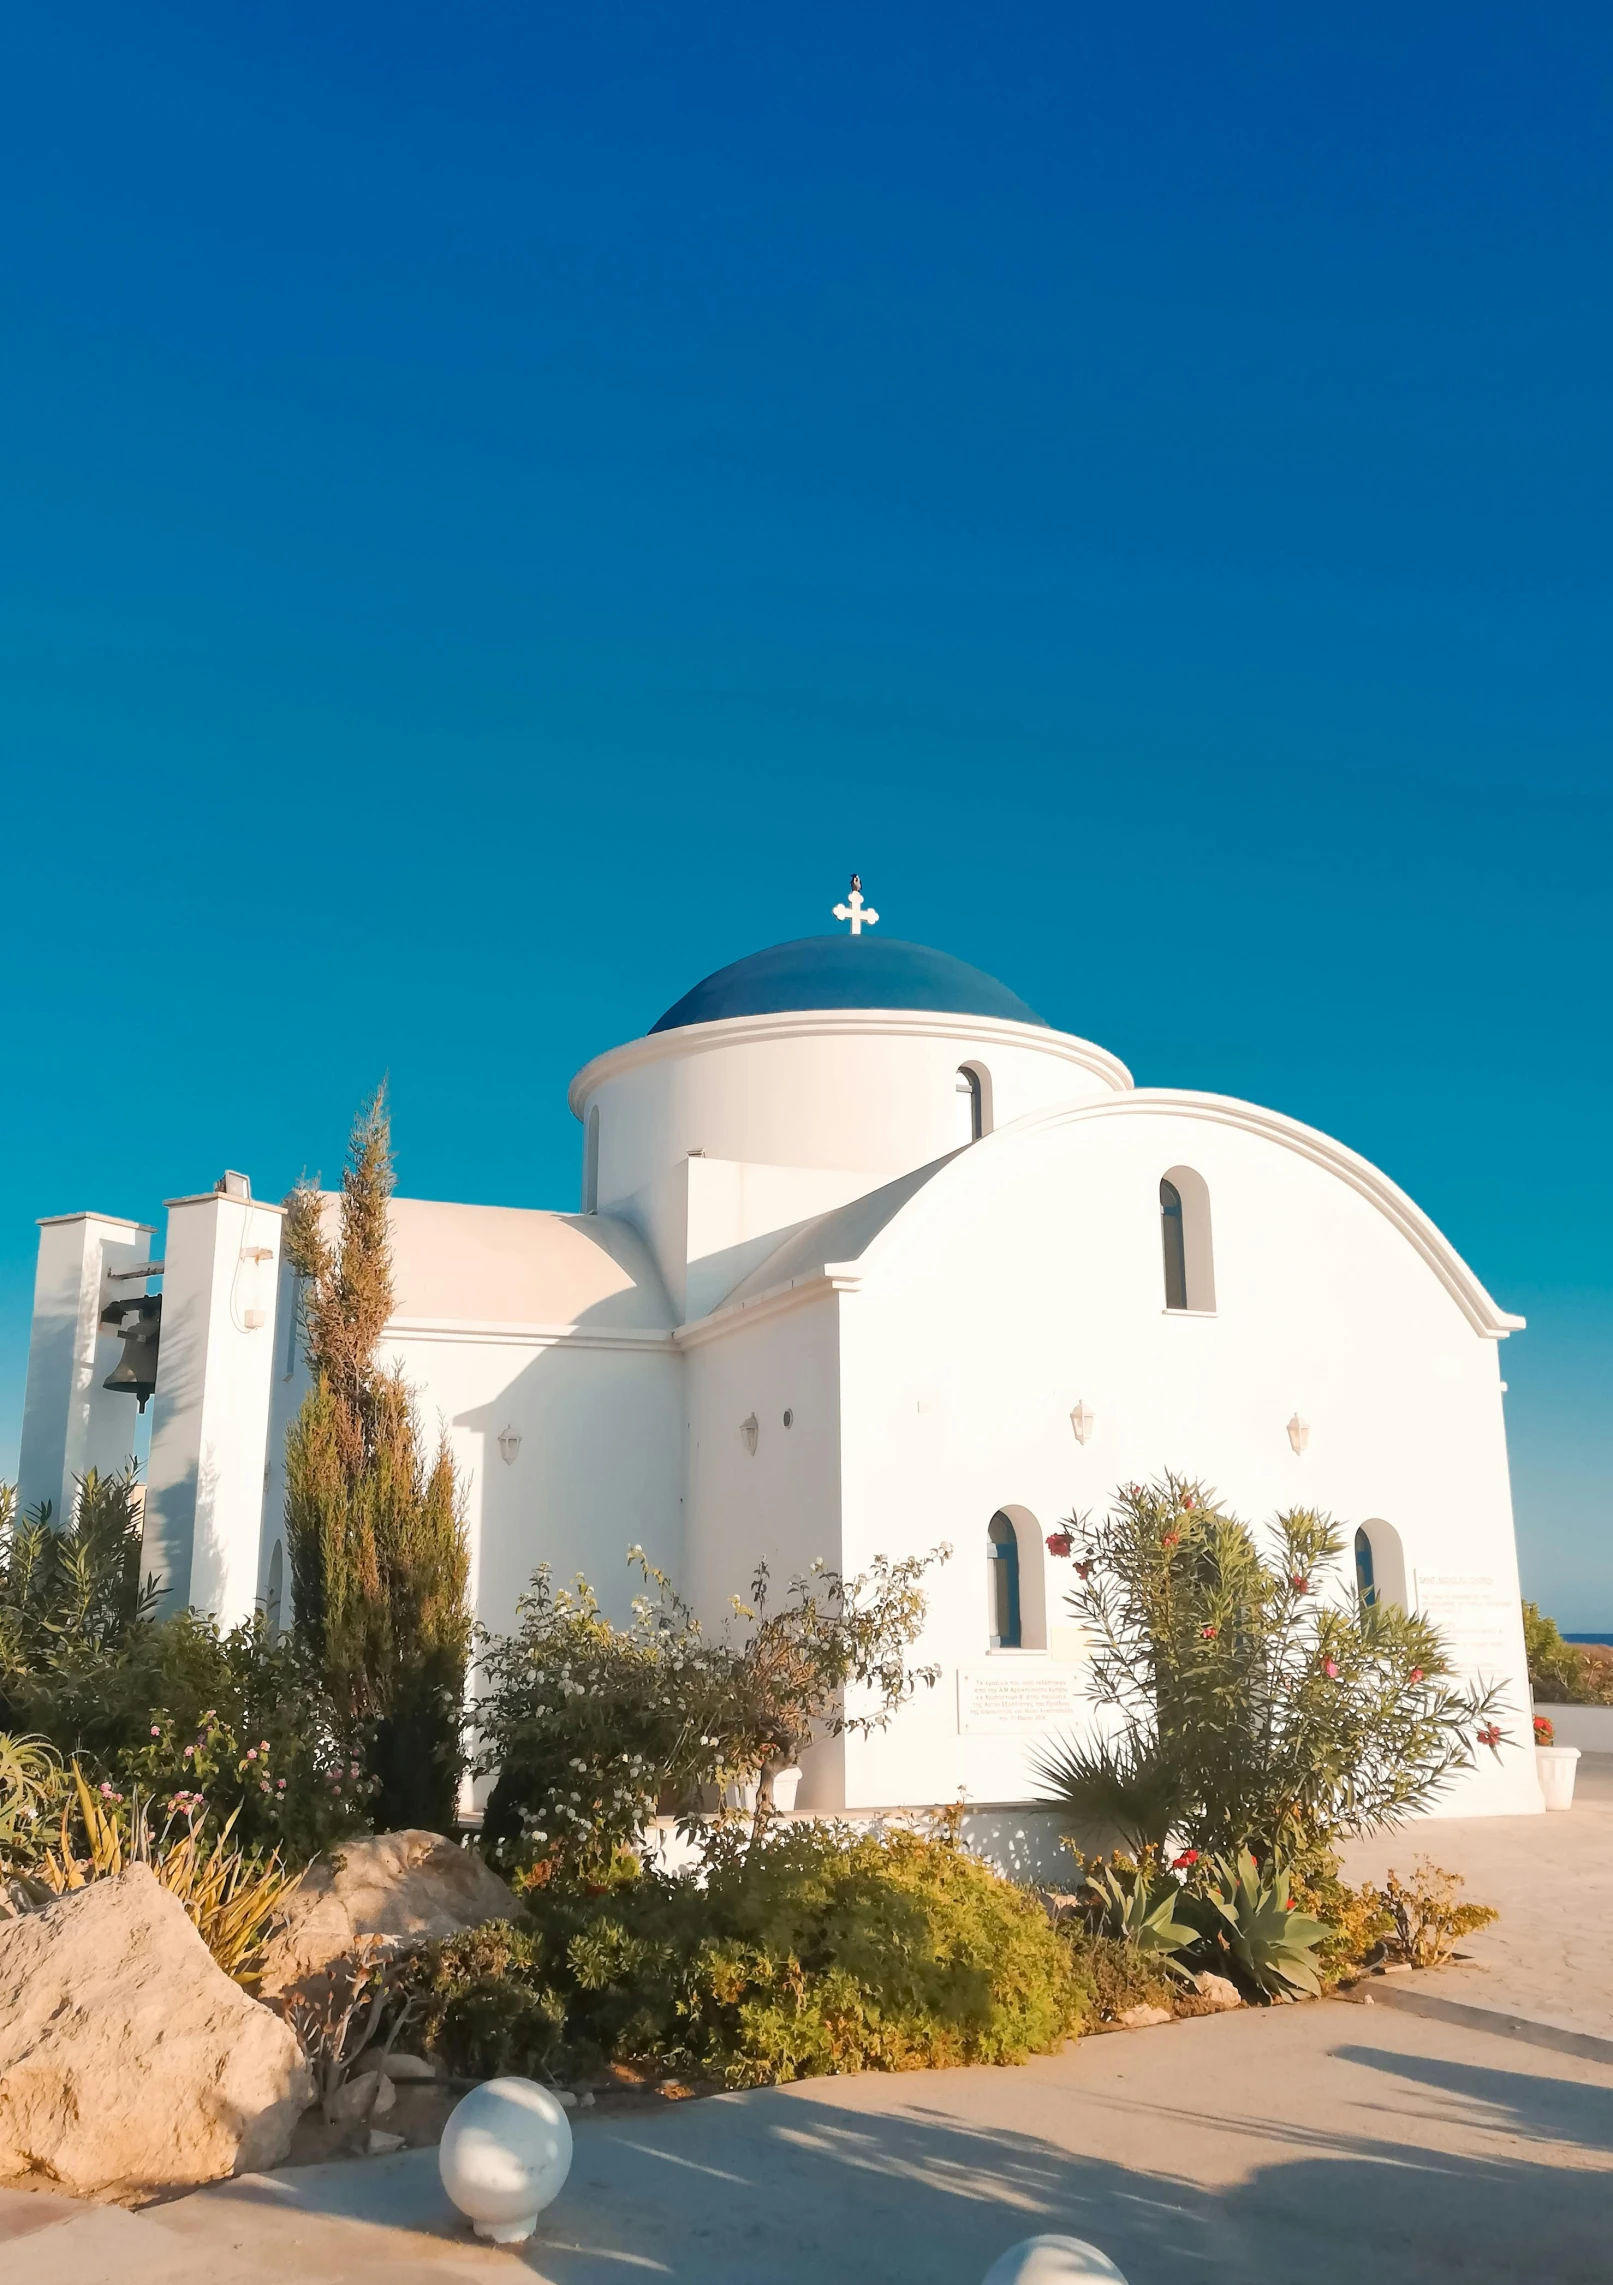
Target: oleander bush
{"type": "Point", "coordinates": [1251, 1707]}
{"type": "Point", "coordinates": [811, 1949]}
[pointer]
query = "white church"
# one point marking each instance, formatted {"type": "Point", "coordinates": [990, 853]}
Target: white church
{"type": "Point", "coordinates": [868, 1257]}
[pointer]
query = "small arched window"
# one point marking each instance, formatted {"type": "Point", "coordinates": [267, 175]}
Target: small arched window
{"type": "Point", "coordinates": [274, 1592]}
{"type": "Point", "coordinates": [590, 1162]}
{"type": "Point", "coordinates": [1365, 1584]}
{"type": "Point", "coordinates": [1002, 1583]}
{"type": "Point", "coordinates": [972, 1121]}
{"type": "Point", "coordinates": [1170, 1228]}
{"type": "Point", "coordinates": [1184, 1228]}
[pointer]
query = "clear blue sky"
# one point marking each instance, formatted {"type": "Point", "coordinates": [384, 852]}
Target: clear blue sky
{"type": "Point", "coordinates": [502, 507]}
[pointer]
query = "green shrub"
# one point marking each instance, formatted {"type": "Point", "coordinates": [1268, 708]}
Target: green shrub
{"type": "Point", "coordinates": [811, 1950]}
{"type": "Point", "coordinates": [1255, 1711]}
{"type": "Point", "coordinates": [170, 1707]}
{"type": "Point", "coordinates": [1562, 1673]}
{"type": "Point", "coordinates": [1120, 1977]}
{"type": "Point", "coordinates": [590, 1726]}
{"type": "Point", "coordinates": [1269, 1940]}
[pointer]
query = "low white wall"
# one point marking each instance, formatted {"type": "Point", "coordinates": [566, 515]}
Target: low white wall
{"type": "Point", "coordinates": [1588, 1727]}
{"type": "Point", "coordinates": [1022, 1844]}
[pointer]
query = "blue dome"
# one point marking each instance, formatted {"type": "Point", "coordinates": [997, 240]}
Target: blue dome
{"type": "Point", "coordinates": [847, 972]}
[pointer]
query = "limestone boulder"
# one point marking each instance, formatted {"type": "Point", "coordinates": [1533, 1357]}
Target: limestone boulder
{"type": "Point", "coordinates": [128, 2059]}
{"type": "Point", "coordinates": [408, 1888]}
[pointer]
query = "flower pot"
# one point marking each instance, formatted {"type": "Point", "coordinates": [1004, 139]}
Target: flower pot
{"type": "Point", "coordinates": [740, 1793]}
{"type": "Point", "coordinates": [786, 1784]}
{"type": "Point", "coordinates": [1554, 1766]}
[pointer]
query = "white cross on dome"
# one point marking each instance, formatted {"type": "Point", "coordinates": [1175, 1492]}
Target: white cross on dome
{"type": "Point", "coordinates": [860, 915]}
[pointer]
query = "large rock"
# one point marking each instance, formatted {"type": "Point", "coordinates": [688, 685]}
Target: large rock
{"type": "Point", "coordinates": [408, 1888]}
{"type": "Point", "coordinates": [128, 2059]}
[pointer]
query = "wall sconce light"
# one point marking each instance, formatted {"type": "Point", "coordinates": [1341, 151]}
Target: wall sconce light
{"type": "Point", "coordinates": [509, 1443]}
{"type": "Point", "coordinates": [750, 1429]}
{"type": "Point", "coordinates": [1299, 1434]}
{"type": "Point", "coordinates": [1083, 1420]}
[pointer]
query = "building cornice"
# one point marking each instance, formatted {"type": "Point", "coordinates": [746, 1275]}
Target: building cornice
{"type": "Point", "coordinates": [777, 1301]}
{"type": "Point", "coordinates": [841, 1023]}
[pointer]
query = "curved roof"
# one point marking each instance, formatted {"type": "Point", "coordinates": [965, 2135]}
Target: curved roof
{"type": "Point", "coordinates": [847, 972]}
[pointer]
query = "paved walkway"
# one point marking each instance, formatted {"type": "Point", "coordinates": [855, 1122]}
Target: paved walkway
{"type": "Point", "coordinates": [1327, 2143]}
{"type": "Point", "coordinates": [1548, 1957]}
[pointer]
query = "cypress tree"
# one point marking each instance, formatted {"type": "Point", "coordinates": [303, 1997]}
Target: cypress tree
{"type": "Point", "coordinates": [374, 1530]}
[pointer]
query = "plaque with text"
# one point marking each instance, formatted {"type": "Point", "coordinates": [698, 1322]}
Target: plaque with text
{"type": "Point", "coordinates": [1476, 1619]}
{"type": "Point", "coordinates": [1013, 1697]}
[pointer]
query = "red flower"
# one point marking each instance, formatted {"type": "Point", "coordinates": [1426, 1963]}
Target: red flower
{"type": "Point", "coordinates": [1490, 1736]}
{"type": "Point", "coordinates": [1209, 1633]}
{"type": "Point", "coordinates": [1059, 1543]}
{"type": "Point", "coordinates": [1082, 1570]}
{"type": "Point", "coordinates": [1187, 1499]}
{"type": "Point", "coordinates": [1416, 1673]}
{"type": "Point", "coordinates": [1171, 1539]}
{"type": "Point", "coordinates": [1299, 1585]}
{"type": "Point", "coordinates": [1188, 1856]}
{"type": "Point", "coordinates": [1330, 1669]}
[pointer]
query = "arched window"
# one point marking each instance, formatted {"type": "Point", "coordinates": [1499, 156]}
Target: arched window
{"type": "Point", "coordinates": [1170, 1227]}
{"type": "Point", "coordinates": [274, 1592]}
{"type": "Point", "coordinates": [1380, 1564]}
{"type": "Point", "coordinates": [1365, 1584]}
{"type": "Point", "coordinates": [973, 1086]}
{"type": "Point", "coordinates": [1184, 1227]}
{"type": "Point", "coordinates": [1002, 1582]}
{"type": "Point", "coordinates": [590, 1162]}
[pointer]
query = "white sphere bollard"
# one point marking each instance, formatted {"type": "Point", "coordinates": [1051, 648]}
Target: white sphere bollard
{"type": "Point", "coordinates": [1053, 2261]}
{"type": "Point", "coordinates": [505, 2155]}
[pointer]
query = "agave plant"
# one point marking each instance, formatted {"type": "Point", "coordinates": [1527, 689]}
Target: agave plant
{"type": "Point", "coordinates": [1137, 1907]}
{"type": "Point", "coordinates": [1271, 1940]}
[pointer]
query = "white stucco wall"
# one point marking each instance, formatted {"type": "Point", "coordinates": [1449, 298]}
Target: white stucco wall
{"type": "Point", "coordinates": [1028, 1274]}
{"type": "Point", "coordinates": [70, 1422]}
{"type": "Point", "coordinates": [210, 1415]}
{"type": "Point", "coordinates": [874, 1092]}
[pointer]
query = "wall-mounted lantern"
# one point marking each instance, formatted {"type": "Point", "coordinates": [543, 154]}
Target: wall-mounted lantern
{"type": "Point", "coordinates": [509, 1444]}
{"type": "Point", "coordinates": [1083, 1420]}
{"type": "Point", "coordinates": [750, 1429]}
{"type": "Point", "coordinates": [1299, 1434]}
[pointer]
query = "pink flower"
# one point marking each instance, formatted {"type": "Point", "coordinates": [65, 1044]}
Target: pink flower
{"type": "Point", "coordinates": [1416, 1673]}
{"type": "Point", "coordinates": [281, 1783]}
{"type": "Point", "coordinates": [1330, 1669]}
{"type": "Point", "coordinates": [1187, 1499]}
{"type": "Point", "coordinates": [1209, 1633]}
{"type": "Point", "coordinates": [189, 1750]}
{"type": "Point", "coordinates": [251, 1753]}
{"type": "Point", "coordinates": [155, 1730]}
{"type": "Point", "coordinates": [1300, 1585]}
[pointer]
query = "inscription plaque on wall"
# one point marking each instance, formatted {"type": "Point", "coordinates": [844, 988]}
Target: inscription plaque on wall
{"type": "Point", "coordinates": [1012, 1696]}
{"type": "Point", "coordinates": [1470, 1611]}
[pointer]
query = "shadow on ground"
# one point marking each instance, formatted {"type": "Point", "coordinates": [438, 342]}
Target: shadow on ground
{"type": "Point", "coordinates": [788, 2186]}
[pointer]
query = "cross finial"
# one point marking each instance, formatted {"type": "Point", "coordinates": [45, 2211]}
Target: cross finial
{"type": "Point", "coordinates": [860, 915]}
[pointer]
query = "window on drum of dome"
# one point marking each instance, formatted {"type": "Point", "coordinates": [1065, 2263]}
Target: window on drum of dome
{"type": "Point", "coordinates": [590, 1162]}
{"type": "Point", "coordinates": [1002, 1583]}
{"type": "Point", "coordinates": [973, 1120]}
{"type": "Point", "coordinates": [1170, 1225]}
